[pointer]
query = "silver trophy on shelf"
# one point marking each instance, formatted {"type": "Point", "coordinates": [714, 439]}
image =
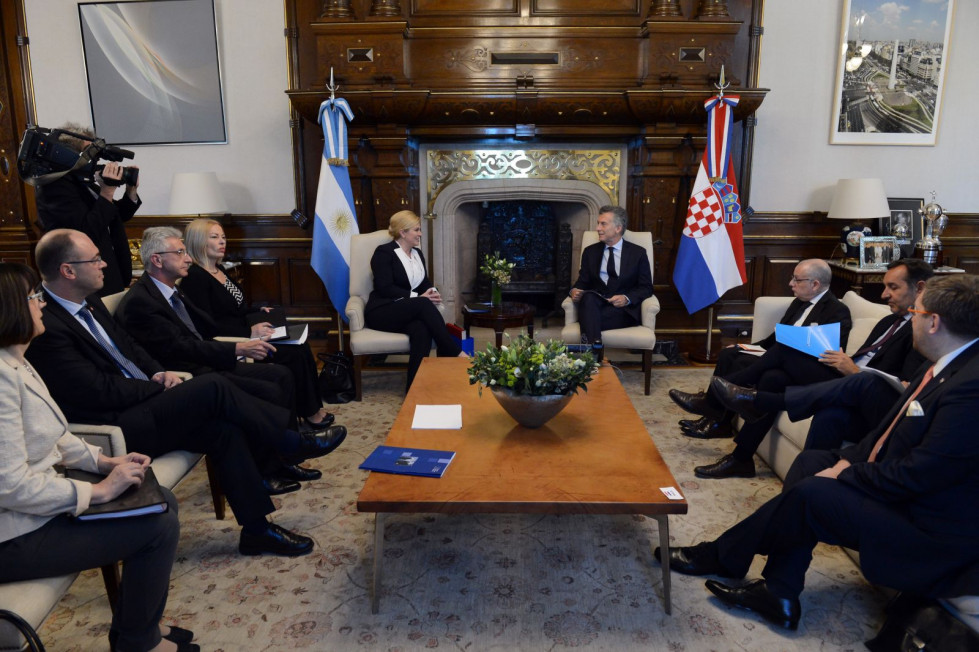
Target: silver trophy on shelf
{"type": "Point", "coordinates": [929, 248]}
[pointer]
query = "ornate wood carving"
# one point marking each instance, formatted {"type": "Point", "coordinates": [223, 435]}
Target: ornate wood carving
{"type": "Point", "coordinates": [336, 9]}
{"type": "Point", "coordinates": [665, 9]}
{"type": "Point", "coordinates": [713, 9]}
{"type": "Point", "coordinates": [385, 8]}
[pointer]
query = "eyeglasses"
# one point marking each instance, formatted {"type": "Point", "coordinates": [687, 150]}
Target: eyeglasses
{"type": "Point", "coordinates": [95, 261]}
{"type": "Point", "coordinates": [179, 252]}
{"type": "Point", "coordinates": [38, 296]}
{"type": "Point", "coordinates": [915, 311]}
{"type": "Point", "coordinates": [796, 279]}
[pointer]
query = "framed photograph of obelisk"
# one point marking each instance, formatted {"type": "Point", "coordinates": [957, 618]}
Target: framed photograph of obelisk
{"type": "Point", "coordinates": [891, 72]}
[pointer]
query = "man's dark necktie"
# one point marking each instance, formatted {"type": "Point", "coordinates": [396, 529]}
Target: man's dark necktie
{"type": "Point", "coordinates": [181, 311]}
{"type": "Point", "coordinates": [887, 336]}
{"type": "Point", "coordinates": [610, 265]}
{"type": "Point", "coordinates": [124, 363]}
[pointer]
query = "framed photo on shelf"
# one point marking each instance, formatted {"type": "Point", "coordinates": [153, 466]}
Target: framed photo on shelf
{"type": "Point", "coordinates": [153, 72]}
{"type": "Point", "coordinates": [877, 252]}
{"type": "Point", "coordinates": [890, 73]}
{"type": "Point", "coordinates": [905, 222]}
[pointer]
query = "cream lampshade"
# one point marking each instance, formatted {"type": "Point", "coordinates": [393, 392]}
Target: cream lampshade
{"type": "Point", "coordinates": [196, 193]}
{"type": "Point", "coordinates": [857, 201]}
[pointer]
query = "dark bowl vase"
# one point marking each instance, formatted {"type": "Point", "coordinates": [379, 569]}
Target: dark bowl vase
{"type": "Point", "coordinates": [531, 411]}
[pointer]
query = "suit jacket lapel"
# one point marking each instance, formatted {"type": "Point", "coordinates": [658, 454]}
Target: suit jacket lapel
{"type": "Point", "coordinates": [56, 310]}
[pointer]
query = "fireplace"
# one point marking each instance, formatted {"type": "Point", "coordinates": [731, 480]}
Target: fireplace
{"type": "Point", "coordinates": [456, 181]}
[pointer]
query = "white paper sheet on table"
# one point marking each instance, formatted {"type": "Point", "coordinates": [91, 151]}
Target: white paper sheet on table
{"type": "Point", "coordinates": [437, 417]}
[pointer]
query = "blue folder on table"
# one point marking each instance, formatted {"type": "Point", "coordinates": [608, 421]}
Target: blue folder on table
{"type": "Point", "coordinates": [408, 461]}
{"type": "Point", "coordinates": [813, 340]}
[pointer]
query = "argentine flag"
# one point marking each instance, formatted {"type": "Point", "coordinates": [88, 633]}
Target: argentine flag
{"type": "Point", "coordinates": [336, 221]}
{"type": "Point", "coordinates": [710, 260]}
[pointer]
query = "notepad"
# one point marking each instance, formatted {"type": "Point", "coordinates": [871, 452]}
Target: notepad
{"type": "Point", "coordinates": [437, 417]}
{"type": "Point", "coordinates": [147, 498]}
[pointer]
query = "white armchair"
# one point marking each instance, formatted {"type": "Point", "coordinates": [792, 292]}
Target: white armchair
{"type": "Point", "coordinates": [642, 336]}
{"type": "Point", "coordinates": [367, 341]}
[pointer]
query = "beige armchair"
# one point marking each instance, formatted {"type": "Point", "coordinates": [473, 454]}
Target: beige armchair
{"type": "Point", "coordinates": [367, 341]}
{"type": "Point", "coordinates": [642, 336]}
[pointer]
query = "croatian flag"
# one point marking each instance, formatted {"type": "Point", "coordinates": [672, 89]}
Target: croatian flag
{"type": "Point", "coordinates": [336, 221]}
{"type": "Point", "coordinates": [710, 260]}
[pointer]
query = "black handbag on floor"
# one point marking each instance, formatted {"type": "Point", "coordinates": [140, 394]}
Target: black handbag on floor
{"type": "Point", "coordinates": [33, 640]}
{"type": "Point", "coordinates": [916, 624]}
{"type": "Point", "coordinates": [336, 378]}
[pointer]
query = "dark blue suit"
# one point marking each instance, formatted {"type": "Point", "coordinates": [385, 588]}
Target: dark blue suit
{"type": "Point", "coordinates": [634, 280]}
{"type": "Point", "coordinates": [913, 513]}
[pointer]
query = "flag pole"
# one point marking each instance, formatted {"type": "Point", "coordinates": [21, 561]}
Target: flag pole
{"type": "Point", "coordinates": [332, 87]}
{"type": "Point", "coordinates": [707, 355]}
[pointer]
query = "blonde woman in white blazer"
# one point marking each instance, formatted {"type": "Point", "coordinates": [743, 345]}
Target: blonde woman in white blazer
{"type": "Point", "coordinates": [39, 536]}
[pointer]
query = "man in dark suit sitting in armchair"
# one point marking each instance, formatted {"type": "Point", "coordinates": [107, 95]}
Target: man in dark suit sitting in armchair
{"type": "Point", "coordinates": [813, 304]}
{"type": "Point", "coordinates": [906, 497]}
{"type": "Point", "coordinates": [613, 280]}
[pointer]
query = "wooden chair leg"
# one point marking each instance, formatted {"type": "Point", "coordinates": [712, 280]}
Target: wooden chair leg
{"type": "Point", "coordinates": [358, 386]}
{"type": "Point", "coordinates": [111, 577]}
{"type": "Point", "coordinates": [647, 366]}
{"type": "Point", "coordinates": [217, 495]}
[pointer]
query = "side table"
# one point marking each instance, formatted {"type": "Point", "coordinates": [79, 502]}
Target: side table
{"type": "Point", "coordinates": [511, 314]}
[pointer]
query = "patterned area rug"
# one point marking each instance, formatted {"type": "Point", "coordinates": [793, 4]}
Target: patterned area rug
{"type": "Point", "coordinates": [481, 582]}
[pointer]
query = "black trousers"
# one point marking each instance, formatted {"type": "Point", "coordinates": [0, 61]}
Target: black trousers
{"type": "Point", "coordinates": [811, 510]}
{"type": "Point", "coordinates": [146, 545]}
{"type": "Point", "coordinates": [269, 382]}
{"type": "Point", "coordinates": [299, 360]}
{"type": "Point", "coordinates": [779, 368]}
{"type": "Point", "coordinates": [843, 409]}
{"type": "Point", "coordinates": [208, 414]}
{"type": "Point", "coordinates": [595, 314]}
{"type": "Point", "coordinates": [421, 321]}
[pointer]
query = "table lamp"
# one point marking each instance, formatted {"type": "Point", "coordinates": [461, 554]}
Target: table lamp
{"type": "Point", "coordinates": [857, 200]}
{"type": "Point", "coordinates": [196, 193]}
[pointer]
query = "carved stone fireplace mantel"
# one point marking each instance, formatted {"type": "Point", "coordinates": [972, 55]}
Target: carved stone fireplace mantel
{"type": "Point", "coordinates": [456, 179]}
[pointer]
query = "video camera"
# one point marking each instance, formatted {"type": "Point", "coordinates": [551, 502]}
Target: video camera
{"type": "Point", "coordinates": [43, 158]}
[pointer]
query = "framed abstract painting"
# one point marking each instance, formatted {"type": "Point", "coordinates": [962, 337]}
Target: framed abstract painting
{"type": "Point", "coordinates": [153, 73]}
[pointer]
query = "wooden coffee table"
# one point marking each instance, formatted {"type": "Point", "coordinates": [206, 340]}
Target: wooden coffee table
{"type": "Point", "coordinates": [510, 315]}
{"type": "Point", "coordinates": [576, 464]}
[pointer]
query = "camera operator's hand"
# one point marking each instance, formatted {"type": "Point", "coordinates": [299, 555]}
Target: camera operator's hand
{"type": "Point", "coordinates": [131, 188]}
{"type": "Point", "coordinates": [111, 171]}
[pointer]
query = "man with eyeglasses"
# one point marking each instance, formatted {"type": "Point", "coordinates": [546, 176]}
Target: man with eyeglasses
{"type": "Point", "coordinates": [849, 405]}
{"type": "Point", "coordinates": [98, 374]}
{"type": "Point", "coordinates": [813, 304]}
{"type": "Point", "coordinates": [90, 206]}
{"type": "Point", "coordinates": [906, 497]}
{"type": "Point", "coordinates": [181, 336]}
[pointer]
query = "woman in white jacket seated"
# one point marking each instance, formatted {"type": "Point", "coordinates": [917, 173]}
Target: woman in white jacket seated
{"type": "Point", "coordinates": [39, 536]}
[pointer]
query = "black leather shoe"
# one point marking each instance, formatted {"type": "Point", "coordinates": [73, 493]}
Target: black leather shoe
{"type": "Point", "coordinates": [299, 473]}
{"type": "Point", "coordinates": [755, 596]}
{"type": "Point", "coordinates": [318, 443]}
{"type": "Point", "coordinates": [707, 428]}
{"type": "Point", "coordinates": [700, 559]}
{"type": "Point", "coordinates": [736, 398]}
{"type": "Point", "coordinates": [275, 540]}
{"type": "Point", "coordinates": [319, 425]}
{"type": "Point", "coordinates": [276, 485]}
{"type": "Point", "coordinates": [179, 635]}
{"type": "Point", "coordinates": [726, 467]}
{"type": "Point", "coordinates": [692, 403]}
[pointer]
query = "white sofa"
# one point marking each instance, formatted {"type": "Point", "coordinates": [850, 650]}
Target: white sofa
{"type": "Point", "coordinates": [786, 438]}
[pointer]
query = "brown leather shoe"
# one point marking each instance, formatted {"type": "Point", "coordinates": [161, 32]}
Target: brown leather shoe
{"type": "Point", "coordinates": [726, 467]}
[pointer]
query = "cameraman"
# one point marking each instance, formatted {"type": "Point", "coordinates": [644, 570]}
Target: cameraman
{"type": "Point", "coordinates": [73, 202]}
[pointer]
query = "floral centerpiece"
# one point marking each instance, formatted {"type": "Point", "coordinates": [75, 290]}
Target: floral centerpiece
{"type": "Point", "coordinates": [533, 381]}
{"type": "Point", "coordinates": [498, 271]}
